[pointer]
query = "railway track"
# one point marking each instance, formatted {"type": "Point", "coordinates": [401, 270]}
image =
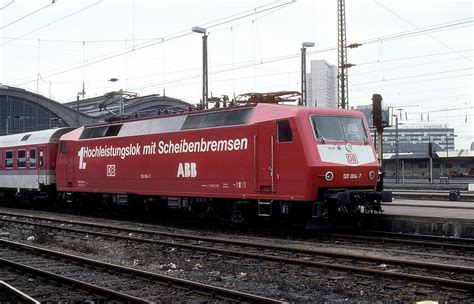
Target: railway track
{"type": "Point", "coordinates": [451, 276]}
{"type": "Point", "coordinates": [420, 241]}
{"type": "Point", "coordinates": [430, 195]}
{"type": "Point", "coordinates": [11, 294]}
{"type": "Point", "coordinates": [106, 281]}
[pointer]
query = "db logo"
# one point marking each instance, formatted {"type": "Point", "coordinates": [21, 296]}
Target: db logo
{"type": "Point", "coordinates": [187, 170]}
{"type": "Point", "coordinates": [110, 170]}
{"type": "Point", "coordinates": [352, 159]}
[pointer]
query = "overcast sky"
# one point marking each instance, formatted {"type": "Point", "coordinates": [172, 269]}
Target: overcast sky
{"type": "Point", "coordinates": [417, 54]}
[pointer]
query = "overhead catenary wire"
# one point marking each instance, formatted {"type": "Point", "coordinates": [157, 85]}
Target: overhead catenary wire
{"type": "Point", "coordinates": [412, 57]}
{"type": "Point", "coordinates": [407, 66]}
{"type": "Point", "coordinates": [434, 28]}
{"type": "Point", "coordinates": [413, 25]}
{"type": "Point", "coordinates": [183, 33]}
{"type": "Point", "coordinates": [28, 15]}
{"type": "Point", "coordinates": [167, 38]}
{"type": "Point", "coordinates": [263, 62]}
{"type": "Point", "coordinates": [431, 98]}
{"type": "Point", "coordinates": [6, 5]}
{"type": "Point", "coordinates": [411, 76]}
{"type": "Point", "coordinates": [235, 65]}
{"type": "Point", "coordinates": [285, 57]}
{"type": "Point", "coordinates": [53, 22]}
{"type": "Point", "coordinates": [116, 40]}
{"type": "Point", "coordinates": [423, 80]}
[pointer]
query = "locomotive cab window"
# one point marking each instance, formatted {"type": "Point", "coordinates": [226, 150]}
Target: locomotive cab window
{"type": "Point", "coordinates": [33, 158]}
{"type": "Point", "coordinates": [21, 158]}
{"type": "Point", "coordinates": [284, 131]}
{"type": "Point", "coordinates": [9, 159]}
{"type": "Point", "coordinates": [354, 129]}
{"type": "Point", "coordinates": [339, 128]}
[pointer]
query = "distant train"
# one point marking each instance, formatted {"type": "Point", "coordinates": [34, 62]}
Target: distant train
{"type": "Point", "coordinates": [238, 163]}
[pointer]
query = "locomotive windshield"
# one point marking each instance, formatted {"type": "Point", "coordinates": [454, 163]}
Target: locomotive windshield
{"type": "Point", "coordinates": [339, 128]}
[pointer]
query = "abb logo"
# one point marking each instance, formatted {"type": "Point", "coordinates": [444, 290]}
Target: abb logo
{"type": "Point", "coordinates": [352, 159]}
{"type": "Point", "coordinates": [187, 170]}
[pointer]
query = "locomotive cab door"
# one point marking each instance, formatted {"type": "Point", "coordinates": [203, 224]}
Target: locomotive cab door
{"type": "Point", "coordinates": [264, 158]}
{"type": "Point", "coordinates": [69, 164]}
{"type": "Point", "coordinates": [64, 152]}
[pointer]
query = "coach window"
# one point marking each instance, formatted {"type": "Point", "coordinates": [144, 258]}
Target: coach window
{"type": "Point", "coordinates": [33, 158]}
{"type": "Point", "coordinates": [284, 131]}
{"type": "Point", "coordinates": [21, 158]}
{"type": "Point", "coordinates": [9, 159]}
{"type": "Point", "coordinates": [41, 156]}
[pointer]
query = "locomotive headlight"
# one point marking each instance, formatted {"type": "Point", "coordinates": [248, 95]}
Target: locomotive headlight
{"type": "Point", "coordinates": [371, 175]}
{"type": "Point", "coordinates": [328, 176]}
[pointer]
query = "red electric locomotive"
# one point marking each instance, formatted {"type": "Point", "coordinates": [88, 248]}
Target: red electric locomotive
{"type": "Point", "coordinates": [240, 162]}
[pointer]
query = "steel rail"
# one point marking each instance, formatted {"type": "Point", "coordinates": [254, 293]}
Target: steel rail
{"type": "Point", "coordinates": [426, 206]}
{"type": "Point", "coordinates": [465, 197]}
{"type": "Point", "coordinates": [70, 281]}
{"type": "Point", "coordinates": [19, 294]}
{"type": "Point", "coordinates": [258, 245]}
{"type": "Point", "coordinates": [422, 236]}
{"type": "Point", "coordinates": [227, 241]}
{"type": "Point", "coordinates": [201, 247]}
{"type": "Point", "coordinates": [466, 247]}
{"type": "Point", "coordinates": [219, 292]}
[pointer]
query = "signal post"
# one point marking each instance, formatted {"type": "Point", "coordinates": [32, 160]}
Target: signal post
{"type": "Point", "coordinates": [379, 125]}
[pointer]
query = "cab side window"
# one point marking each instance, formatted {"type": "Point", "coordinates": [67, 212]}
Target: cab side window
{"type": "Point", "coordinates": [284, 131]}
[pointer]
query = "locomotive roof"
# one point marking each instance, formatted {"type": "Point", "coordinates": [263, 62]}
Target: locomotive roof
{"type": "Point", "coordinates": [33, 138]}
{"type": "Point", "coordinates": [214, 118]}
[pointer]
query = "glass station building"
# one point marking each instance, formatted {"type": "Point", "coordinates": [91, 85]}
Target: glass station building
{"type": "Point", "coordinates": [23, 111]}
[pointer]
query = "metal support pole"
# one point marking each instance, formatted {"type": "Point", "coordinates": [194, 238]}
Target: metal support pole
{"type": "Point", "coordinates": [121, 110]}
{"type": "Point", "coordinates": [77, 110]}
{"type": "Point", "coordinates": [342, 96]}
{"type": "Point", "coordinates": [403, 172]}
{"type": "Point", "coordinates": [303, 76]}
{"type": "Point", "coordinates": [397, 155]}
{"type": "Point", "coordinates": [379, 147]}
{"type": "Point", "coordinates": [204, 72]}
{"type": "Point", "coordinates": [431, 170]}
{"type": "Point", "coordinates": [447, 154]}
{"type": "Point", "coordinates": [430, 162]}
